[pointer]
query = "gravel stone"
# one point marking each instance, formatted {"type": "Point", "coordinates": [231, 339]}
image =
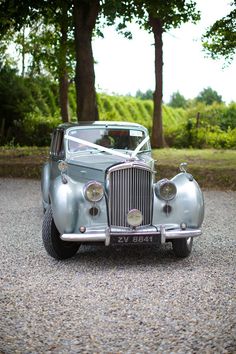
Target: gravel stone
{"type": "Point", "coordinates": [115, 300]}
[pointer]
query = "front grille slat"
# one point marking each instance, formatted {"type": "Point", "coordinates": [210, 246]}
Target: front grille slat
{"type": "Point", "coordinates": [130, 188]}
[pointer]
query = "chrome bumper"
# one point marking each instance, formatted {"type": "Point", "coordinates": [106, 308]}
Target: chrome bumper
{"type": "Point", "coordinates": [104, 235]}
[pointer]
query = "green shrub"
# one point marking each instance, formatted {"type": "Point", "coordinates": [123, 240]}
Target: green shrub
{"type": "Point", "coordinates": [189, 136]}
{"type": "Point", "coordinates": [15, 102]}
{"type": "Point", "coordinates": [35, 130]}
{"type": "Point", "coordinates": [228, 119]}
{"type": "Point", "coordinates": [217, 114]}
{"type": "Point", "coordinates": [29, 110]}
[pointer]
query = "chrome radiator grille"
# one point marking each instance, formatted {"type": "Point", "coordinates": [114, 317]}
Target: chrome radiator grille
{"type": "Point", "coordinates": [129, 188]}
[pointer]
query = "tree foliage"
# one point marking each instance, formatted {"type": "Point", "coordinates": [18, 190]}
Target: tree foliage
{"type": "Point", "coordinates": [158, 16]}
{"type": "Point", "coordinates": [44, 31]}
{"type": "Point", "coordinates": [153, 15]}
{"type": "Point", "coordinates": [148, 95]}
{"type": "Point", "coordinates": [177, 100]}
{"type": "Point", "coordinates": [209, 96]}
{"type": "Point", "coordinates": [15, 99]}
{"type": "Point", "coordinates": [220, 38]}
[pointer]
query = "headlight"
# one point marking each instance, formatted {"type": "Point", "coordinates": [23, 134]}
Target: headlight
{"type": "Point", "coordinates": [93, 191]}
{"type": "Point", "coordinates": [166, 190]}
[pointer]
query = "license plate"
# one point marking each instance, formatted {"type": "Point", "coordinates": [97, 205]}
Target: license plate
{"type": "Point", "coordinates": [134, 239]}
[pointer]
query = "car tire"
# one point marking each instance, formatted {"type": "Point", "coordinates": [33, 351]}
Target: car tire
{"type": "Point", "coordinates": [54, 246]}
{"type": "Point", "coordinates": [182, 247]}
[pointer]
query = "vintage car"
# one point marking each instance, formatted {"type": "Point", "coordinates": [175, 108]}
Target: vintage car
{"type": "Point", "coordinates": [99, 186]}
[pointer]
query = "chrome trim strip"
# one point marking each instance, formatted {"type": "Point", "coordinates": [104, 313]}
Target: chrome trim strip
{"type": "Point", "coordinates": [104, 235]}
{"type": "Point", "coordinates": [92, 236]}
{"type": "Point", "coordinates": [183, 233]}
{"type": "Point", "coordinates": [130, 164]}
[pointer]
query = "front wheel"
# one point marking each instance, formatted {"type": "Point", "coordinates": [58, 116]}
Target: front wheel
{"type": "Point", "coordinates": [182, 247]}
{"type": "Point", "coordinates": [53, 244]}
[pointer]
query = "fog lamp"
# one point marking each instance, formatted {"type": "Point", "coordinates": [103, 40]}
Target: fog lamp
{"type": "Point", "coordinates": [93, 191]}
{"type": "Point", "coordinates": [166, 190]}
{"type": "Point", "coordinates": [134, 217]}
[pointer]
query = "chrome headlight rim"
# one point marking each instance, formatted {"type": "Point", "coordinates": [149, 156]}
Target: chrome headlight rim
{"type": "Point", "coordinates": [96, 185]}
{"type": "Point", "coordinates": [166, 190]}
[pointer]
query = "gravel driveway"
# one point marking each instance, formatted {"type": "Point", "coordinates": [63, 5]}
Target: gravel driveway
{"type": "Point", "coordinates": [107, 300]}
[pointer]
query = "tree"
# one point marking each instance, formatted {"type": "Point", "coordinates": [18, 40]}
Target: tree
{"type": "Point", "coordinates": [209, 96]}
{"type": "Point", "coordinates": [220, 38]}
{"type": "Point", "coordinates": [154, 15]}
{"type": "Point", "coordinates": [148, 95]}
{"type": "Point", "coordinates": [48, 41]}
{"type": "Point", "coordinates": [15, 100]}
{"type": "Point", "coordinates": [177, 100]}
{"type": "Point", "coordinates": [158, 16]}
{"type": "Point", "coordinates": [85, 16]}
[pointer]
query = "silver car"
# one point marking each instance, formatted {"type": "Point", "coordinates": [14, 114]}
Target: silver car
{"type": "Point", "coordinates": [99, 186]}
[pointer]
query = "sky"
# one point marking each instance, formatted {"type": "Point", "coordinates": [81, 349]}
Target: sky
{"type": "Point", "coordinates": [124, 66]}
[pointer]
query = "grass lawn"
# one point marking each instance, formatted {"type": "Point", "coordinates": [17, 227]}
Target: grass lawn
{"type": "Point", "coordinates": [211, 168]}
{"type": "Point", "coordinates": [24, 151]}
{"type": "Point", "coordinates": [195, 157]}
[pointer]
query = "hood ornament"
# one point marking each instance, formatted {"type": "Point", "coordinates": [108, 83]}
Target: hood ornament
{"type": "Point", "coordinates": [183, 167]}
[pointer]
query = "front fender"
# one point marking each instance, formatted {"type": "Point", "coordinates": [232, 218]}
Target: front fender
{"type": "Point", "coordinates": [187, 207]}
{"type": "Point", "coordinates": [64, 205]}
{"type": "Point", "coordinates": [70, 208]}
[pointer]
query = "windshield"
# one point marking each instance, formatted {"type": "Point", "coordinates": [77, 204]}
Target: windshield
{"type": "Point", "coordinates": [125, 139]}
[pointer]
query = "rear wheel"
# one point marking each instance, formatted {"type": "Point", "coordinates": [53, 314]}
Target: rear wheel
{"type": "Point", "coordinates": [182, 247]}
{"type": "Point", "coordinates": [53, 244]}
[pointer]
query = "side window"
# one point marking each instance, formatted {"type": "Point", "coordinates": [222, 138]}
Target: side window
{"type": "Point", "coordinates": [57, 144]}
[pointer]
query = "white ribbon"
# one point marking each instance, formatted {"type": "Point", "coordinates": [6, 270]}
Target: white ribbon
{"type": "Point", "coordinates": [139, 147]}
{"type": "Point", "coordinates": [109, 151]}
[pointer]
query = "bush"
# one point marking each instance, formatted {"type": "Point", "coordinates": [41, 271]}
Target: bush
{"type": "Point", "coordinates": [189, 136]}
{"type": "Point", "coordinates": [15, 101]}
{"type": "Point", "coordinates": [217, 114]}
{"type": "Point", "coordinates": [35, 130]}
{"type": "Point", "coordinates": [29, 110]}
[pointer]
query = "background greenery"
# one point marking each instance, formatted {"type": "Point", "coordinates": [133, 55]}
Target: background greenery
{"type": "Point", "coordinates": [29, 110]}
{"type": "Point", "coordinates": [210, 167]}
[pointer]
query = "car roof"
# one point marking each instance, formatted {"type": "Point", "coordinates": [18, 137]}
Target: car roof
{"type": "Point", "coordinates": [66, 126]}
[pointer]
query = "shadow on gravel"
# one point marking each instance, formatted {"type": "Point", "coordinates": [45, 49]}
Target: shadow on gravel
{"type": "Point", "coordinates": [101, 257]}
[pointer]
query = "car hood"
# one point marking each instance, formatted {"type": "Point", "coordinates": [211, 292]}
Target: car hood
{"type": "Point", "coordinates": [99, 161]}
{"type": "Point", "coordinates": [92, 166]}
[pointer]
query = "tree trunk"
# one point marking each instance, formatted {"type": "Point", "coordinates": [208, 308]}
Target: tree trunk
{"type": "Point", "coordinates": [62, 67]}
{"type": "Point", "coordinates": [63, 97]}
{"type": "Point", "coordinates": [157, 138]}
{"type": "Point", "coordinates": [23, 52]}
{"type": "Point", "coordinates": [85, 15]}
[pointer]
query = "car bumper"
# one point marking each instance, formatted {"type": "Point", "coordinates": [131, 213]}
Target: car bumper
{"type": "Point", "coordinates": [96, 235]}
